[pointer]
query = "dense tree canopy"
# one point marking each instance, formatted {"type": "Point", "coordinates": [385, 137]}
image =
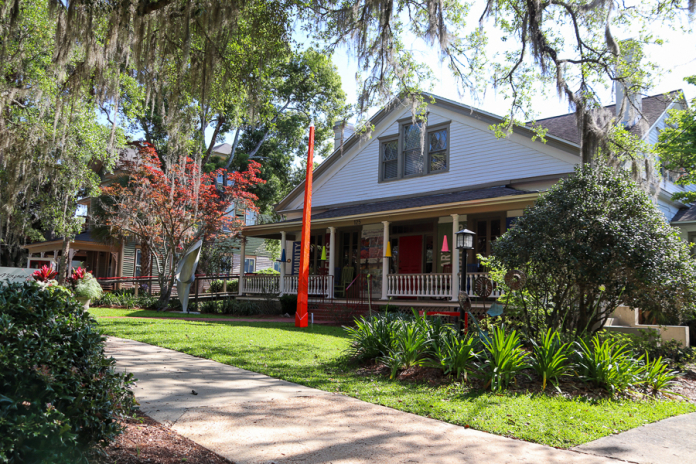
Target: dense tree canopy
{"type": "Point", "coordinates": [593, 242]}
{"type": "Point", "coordinates": [677, 147]}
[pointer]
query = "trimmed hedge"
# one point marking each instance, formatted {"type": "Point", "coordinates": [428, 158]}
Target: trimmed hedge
{"type": "Point", "coordinates": [59, 394]}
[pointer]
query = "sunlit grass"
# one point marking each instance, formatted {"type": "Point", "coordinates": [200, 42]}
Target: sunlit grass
{"type": "Point", "coordinates": [314, 357]}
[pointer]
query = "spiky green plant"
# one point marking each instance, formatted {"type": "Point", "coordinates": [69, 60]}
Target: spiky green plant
{"type": "Point", "coordinates": [608, 364]}
{"type": "Point", "coordinates": [550, 358]}
{"type": "Point", "coordinates": [456, 355]}
{"type": "Point", "coordinates": [505, 357]}
{"type": "Point", "coordinates": [656, 374]}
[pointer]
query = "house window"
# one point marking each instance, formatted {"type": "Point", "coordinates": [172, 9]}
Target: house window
{"type": "Point", "coordinates": [138, 262]}
{"type": "Point", "coordinates": [437, 150]}
{"type": "Point", "coordinates": [250, 218]}
{"type": "Point", "coordinates": [249, 265]}
{"type": "Point", "coordinates": [390, 159]}
{"type": "Point", "coordinates": [413, 153]}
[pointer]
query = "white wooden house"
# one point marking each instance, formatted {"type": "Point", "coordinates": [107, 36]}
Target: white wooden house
{"type": "Point", "coordinates": [384, 189]}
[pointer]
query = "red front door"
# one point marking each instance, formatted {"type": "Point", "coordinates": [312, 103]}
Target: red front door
{"type": "Point", "coordinates": [410, 254]}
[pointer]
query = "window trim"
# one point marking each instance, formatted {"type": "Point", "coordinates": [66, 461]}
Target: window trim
{"type": "Point", "coordinates": [399, 137]}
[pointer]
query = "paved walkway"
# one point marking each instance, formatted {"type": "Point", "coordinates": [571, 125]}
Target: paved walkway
{"type": "Point", "coordinates": [251, 418]}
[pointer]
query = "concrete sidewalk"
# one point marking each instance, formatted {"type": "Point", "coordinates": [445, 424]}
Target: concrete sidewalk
{"type": "Point", "coordinates": [252, 418]}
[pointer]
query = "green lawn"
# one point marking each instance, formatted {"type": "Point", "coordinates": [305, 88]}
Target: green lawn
{"type": "Point", "coordinates": [314, 357]}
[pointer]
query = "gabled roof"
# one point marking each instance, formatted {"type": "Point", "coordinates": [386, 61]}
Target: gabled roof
{"type": "Point", "coordinates": [451, 105]}
{"type": "Point", "coordinates": [565, 126]}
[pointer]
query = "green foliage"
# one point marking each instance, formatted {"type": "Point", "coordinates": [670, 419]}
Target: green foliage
{"type": "Point", "coordinates": [371, 337]}
{"type": "Point", "coordinates": [218, 285]}
{"type": "Point", "coordinates": [593, 242]}
{"type": "Point", "coordinates": [656, 374]}
{"type": "Point", "coordinates": [268, 272]}
{"type": "Point", "coordinates": [288, 304]}
{"type": "Point", "coordinates": [88, 287]}
{"type": "Point", "coordinates": [59, 393]}
{"type": "Point", "coordinates": [607, 364]}
{"type": "Point", "coordinates": [456, 355]}
{"type": "Point", "coordinates": [505, 357]}
{"type": "Point", "coordinates": [408, 348]}
{"type": "Point", "coordinates": [125, 299]}
{"type": "Point", "coordinates": [235, 307]}
{"type": "Point", "coordinates": [550, 358]}
{"type": "Point", "coordinates": [649, 342]}
{"type": "Point", "coordinates": [677, 147]}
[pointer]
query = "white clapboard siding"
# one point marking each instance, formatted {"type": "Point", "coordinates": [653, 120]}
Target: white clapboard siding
{"type": "Point", "coordinates": [476, 157]}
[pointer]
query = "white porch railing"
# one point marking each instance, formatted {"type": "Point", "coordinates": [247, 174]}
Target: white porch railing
{"type": "Point", "coordinates": [432, 285]}
{"type": "Point", "coordinates": [318, 285]}
{"type": "Point", "coordinates": [262, 283]}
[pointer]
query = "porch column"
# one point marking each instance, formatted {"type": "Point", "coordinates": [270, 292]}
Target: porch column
{"type": "Point", "coordinates": [332, 260]}
{"type": "Point", "coordinates": [281, 284]}
{"type": "Point", "coordinates": [242, 254]}
{"type": "Point", "coordinates": [455, 258]}
{"type": "Point", "coordinates": [385, 261]}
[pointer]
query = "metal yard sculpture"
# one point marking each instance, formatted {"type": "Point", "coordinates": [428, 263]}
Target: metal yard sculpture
{"type": "Point", "coordinates": [186, 273]}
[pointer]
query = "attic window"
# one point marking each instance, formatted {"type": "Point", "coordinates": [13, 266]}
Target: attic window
{"type": "Point", "coordinates": [390, 160]}
{"type": "Point", "coordinates": [403, 156]}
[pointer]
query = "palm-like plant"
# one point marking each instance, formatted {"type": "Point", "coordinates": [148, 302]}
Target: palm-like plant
{"type": "Point", "coordinates": [550, 358]}
{"type": "Point", "coordinates": [456, 355]}
{"type": "Point", "coordinates": [608, 364]}
{"type": "Point", "coordinates": [505, 358]}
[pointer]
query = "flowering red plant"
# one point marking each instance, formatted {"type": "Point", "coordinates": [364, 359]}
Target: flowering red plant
{"type": "Point", "coordinates": [171, 209]}
{"type": "Point", "coordinates": [77, 275]}
{"type": "Point", "coordinates": [44, 274]}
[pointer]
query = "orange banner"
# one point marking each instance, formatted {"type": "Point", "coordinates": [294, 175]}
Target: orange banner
{"type": "Point", "coordinates": [303, 277]}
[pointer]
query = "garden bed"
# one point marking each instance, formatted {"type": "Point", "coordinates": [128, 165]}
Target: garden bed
{"type": "Point", "coordinates": [145, 440]}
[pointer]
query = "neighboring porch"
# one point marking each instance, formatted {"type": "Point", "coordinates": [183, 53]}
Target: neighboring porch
{"type": "Point", "coordinates": [101, 259]}
{"type": "Point", "coordinates": [408, 253]}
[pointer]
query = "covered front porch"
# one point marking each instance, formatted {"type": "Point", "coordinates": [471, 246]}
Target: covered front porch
{"type": "Point", "coordinates": [349, 246]}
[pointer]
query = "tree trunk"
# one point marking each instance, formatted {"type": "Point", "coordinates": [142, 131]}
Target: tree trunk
{"type": "Point", "coordinates": [63, 264]}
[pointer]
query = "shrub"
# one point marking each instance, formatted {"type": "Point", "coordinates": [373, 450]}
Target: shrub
{"type": "Point", "coordinates": [656, 375]}
{"type": "Point", "coordinates": [288, 304]}
{"type": "Point", "coordinates": [371, 337]}
{"type": "Point", "coordinates": [218, 285]}
{"type": "Point", "coordinates": [409, 345]}
{"type": "Point", "coordinates": [607, 364]}
{"type": "Point", "coordinates": [59, 394]}
{"type": "Point", "coordinates": [126, 299]}
{"type": "Point", "coordinates": [210, 307]}
{"type": "Point", "coordinates": [648, 341]}
{"type": "Point", "coordinates": [88, 287]}
{"type": "Point", "coordinates": [593, 242]}
{"type": "Point", "coordinates": [505, 357]}
{"type": "Point", "coordinates": [268, 271]}
{"type": "Point", "coordinates": [550, 359]}
{"type": "Point", "coordinates": [456, 355]}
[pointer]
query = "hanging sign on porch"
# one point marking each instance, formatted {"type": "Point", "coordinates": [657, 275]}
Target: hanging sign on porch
{"type": "Point", "coordinates": [303, 276]}
{"type": "Point", "coordinates": [296, 249]}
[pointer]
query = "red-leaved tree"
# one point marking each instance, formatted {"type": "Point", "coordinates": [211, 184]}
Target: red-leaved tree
{"type": "Point", "coordinates": [170, 211]}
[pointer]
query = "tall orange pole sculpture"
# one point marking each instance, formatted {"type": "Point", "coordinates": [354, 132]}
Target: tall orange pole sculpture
{"type": "Point", "coordinates": [303, 278]}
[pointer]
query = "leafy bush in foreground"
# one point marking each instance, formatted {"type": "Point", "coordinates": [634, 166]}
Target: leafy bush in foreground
{"type": "Point", "coordinates": [608, 364]}
{"type": "Point", "coordinates": [505, 358]}
{"type": "Point", "coordinates": [550, 359]}
{"type": "Point", "coordinates": [59, 394]}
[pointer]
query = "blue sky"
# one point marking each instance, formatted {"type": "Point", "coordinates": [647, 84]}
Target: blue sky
{"type": "Point", "coordinates": [676, 58]}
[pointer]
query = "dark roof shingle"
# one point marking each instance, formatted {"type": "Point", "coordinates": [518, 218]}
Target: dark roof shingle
{"type": "Point", "coordinates": [414, 202]}
{"type": "Point", "coordinates": [565, 127]}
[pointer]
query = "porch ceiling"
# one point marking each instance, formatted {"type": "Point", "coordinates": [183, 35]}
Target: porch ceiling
{"type": "Point", "coordinates": [428, 206]}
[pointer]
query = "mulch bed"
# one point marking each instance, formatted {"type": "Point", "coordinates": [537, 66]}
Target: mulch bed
{"type": "Point", "coordinates": [146, 441]}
